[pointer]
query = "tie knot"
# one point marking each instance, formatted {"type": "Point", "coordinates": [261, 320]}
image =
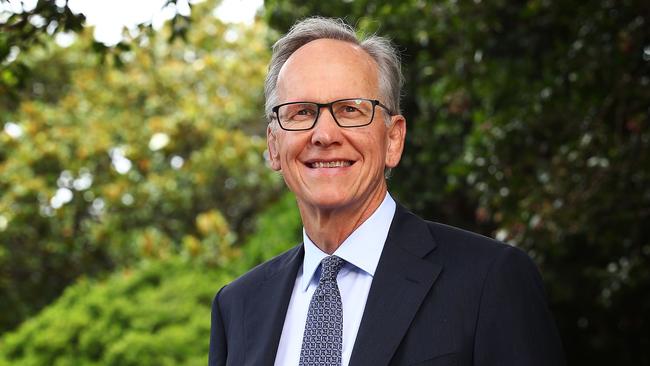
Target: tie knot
{"type": "Point", "coordinates": [330, 267]}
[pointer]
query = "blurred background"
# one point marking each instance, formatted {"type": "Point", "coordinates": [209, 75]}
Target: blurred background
{"type": "Point", "coordinates": [133, 180]}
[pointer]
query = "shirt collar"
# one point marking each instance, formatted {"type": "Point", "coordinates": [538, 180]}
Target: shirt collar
{"type": "Point", "coordinates": [362, 248]}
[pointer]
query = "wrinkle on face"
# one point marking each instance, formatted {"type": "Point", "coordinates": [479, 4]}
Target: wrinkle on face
{"type": "Point", "coordinates": [334, 200]}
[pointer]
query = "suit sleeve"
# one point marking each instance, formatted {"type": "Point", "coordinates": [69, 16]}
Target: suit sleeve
{"type": "Point", "coordinates": [218, 344]}
{"type": "Point", "coordinates": [515, 326]}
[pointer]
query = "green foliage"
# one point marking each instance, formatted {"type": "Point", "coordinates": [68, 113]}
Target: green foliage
{"type": "Point", "coordinates": [529, 121]}
{"type": "Point", "coordinates": [23, 28]}
{"type": "Point", "coordinates": [103, 166]}
{"type": "Point", "coordinates": [277, 229]}
{"type": "Point", "coordinates": [155, 314]}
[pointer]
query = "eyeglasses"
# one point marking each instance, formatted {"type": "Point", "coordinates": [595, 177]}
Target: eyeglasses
{"type": "Point", "coordinates": [301, 116]}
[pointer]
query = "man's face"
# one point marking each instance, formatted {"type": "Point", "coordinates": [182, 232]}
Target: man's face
{"type": "Point", "coordinates": [329, 167]}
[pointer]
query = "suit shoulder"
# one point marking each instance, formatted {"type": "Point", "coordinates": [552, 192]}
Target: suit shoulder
{"type": "Point", "coordinates": [473, 247]}
{"type": "Point", "coordinates": [446, 233]}
{"type": "Point", "coordinates": [259, 273]}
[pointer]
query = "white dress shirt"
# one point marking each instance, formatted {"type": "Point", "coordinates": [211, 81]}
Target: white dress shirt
{"type": "Point", "coordinates": [361, 251]}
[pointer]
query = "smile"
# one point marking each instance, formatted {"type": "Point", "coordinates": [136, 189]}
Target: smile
{"type": "Point", "coordinates": [330, 164]}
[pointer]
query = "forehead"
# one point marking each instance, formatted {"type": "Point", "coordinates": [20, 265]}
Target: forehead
{"type": "Point", "coordinates": [327, 69]}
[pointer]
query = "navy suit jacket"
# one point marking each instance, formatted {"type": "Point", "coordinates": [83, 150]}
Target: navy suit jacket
{"type": "Point", "coordinates": [440, 296]}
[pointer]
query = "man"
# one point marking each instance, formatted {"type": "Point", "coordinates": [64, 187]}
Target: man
{"type": "Point", "coordinates": [371, 284]}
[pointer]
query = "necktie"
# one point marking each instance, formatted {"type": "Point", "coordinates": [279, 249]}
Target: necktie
{"type": "Point", "coordinates": [322, 343]}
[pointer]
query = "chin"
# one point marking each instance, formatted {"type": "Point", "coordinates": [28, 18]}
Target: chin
{"type": "Point", "coordinates": [327, 201]}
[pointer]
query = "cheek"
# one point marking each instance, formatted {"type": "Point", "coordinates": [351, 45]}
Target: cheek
{"type": "Point", "coordinates": [379, 149]}
{"type": "Point", "coordinates": [288, 155]}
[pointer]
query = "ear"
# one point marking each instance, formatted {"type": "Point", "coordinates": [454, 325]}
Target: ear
{"type": "Point", "coordinates": [396, 134]}
{"type": "Point", "coordinates": [272, 145]}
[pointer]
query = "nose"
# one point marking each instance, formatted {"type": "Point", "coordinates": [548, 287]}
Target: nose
{"type": "Point", "coordinates": [326, 131]}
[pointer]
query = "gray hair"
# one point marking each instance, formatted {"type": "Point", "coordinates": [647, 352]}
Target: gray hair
{"type": "Point", "coordinates": [379, 48]}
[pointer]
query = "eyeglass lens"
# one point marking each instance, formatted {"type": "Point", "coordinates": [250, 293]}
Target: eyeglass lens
{"type": "Point", "coordinates": [348, 113]}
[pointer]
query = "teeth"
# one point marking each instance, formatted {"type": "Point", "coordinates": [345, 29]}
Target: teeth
{"type": "Point", "coordinates": [330, 164]}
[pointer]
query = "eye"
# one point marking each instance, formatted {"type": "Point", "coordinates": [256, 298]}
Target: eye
{"type": "Point", "coordinates": [297, 112]}
{"type": "Point", "coordinates": [347, 110]}
{"type": "Point", "coordinates": [305, 112]}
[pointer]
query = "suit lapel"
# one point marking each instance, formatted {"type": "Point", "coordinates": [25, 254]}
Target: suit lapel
{"type": "Point", "coordinates": [401, 282]}
{"type": "Point", "coordinates": [266, 309]}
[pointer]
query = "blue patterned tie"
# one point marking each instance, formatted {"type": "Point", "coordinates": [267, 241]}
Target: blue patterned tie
{"type": "Point", "coordinates": [322, 343]}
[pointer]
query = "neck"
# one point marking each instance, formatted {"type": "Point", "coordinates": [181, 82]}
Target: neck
{"type": "Point", "coordinates": [328, 228]}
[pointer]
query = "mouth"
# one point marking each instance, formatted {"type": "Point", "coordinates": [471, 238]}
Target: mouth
{"type": "Point", "coordinates": [330, 164]}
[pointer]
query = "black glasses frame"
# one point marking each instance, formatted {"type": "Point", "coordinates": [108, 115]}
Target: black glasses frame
{"type": "Point", "coordinates": [374, 102]}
